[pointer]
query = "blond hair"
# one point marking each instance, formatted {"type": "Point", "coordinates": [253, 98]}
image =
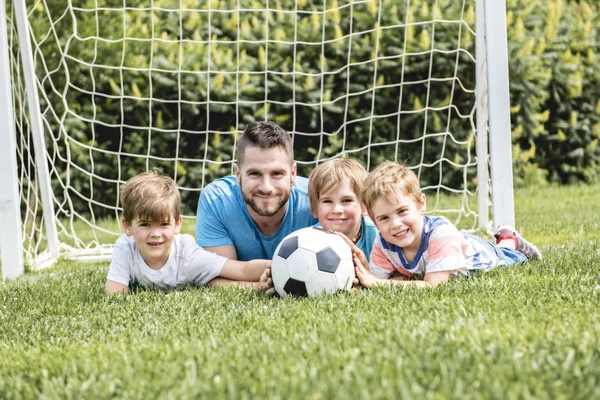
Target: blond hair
{"type": "Point", "coordinates": [386, 181]}
{"type": "Point", "coordinates": [333, 174]}
{"type": "Point", "coordinates": [150, 196]}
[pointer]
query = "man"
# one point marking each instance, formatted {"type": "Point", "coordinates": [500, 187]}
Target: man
{"type": "Point", "coordinates": [244, 217]}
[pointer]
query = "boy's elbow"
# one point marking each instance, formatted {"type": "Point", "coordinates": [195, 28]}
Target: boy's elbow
{"type": "Point", "coordinates": [113, 287]}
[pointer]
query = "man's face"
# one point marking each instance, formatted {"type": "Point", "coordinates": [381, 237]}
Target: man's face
{"type": "Point", "coordinates": [266, 178]}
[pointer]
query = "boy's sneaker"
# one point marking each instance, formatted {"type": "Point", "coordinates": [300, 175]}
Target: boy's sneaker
{"type": "Point", "coordinates": [506, 232]}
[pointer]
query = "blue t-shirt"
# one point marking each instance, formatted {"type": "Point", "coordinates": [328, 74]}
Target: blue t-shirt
{"type": "Point", "coordinates": [369, 233]}
{"type": "Point", "coordinates": [223, 219]}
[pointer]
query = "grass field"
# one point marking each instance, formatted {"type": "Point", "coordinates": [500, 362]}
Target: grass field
{"type": "Point", "coordinates": [526, 332]}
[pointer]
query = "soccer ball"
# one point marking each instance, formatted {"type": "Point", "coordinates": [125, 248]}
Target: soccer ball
{"type": "Point", "coordinates": [311, 262]}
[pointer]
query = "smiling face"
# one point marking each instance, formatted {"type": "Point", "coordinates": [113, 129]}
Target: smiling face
{"type": "Point", "coordinates": [399, 219]}
{"type": "Point", "coordinates": [339, 210]}
{"type": "Point", "coordinates": [153, 238]}
{"type": "Point", "coordinates": [266, 177]}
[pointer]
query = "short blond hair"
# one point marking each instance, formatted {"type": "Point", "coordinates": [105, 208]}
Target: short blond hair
{"type": "Point", "coordinates": [150, 196]}
{"type": "Point", "coordinates": [386, 181]}
{"type": "Point", "coordinates": [333, 174]}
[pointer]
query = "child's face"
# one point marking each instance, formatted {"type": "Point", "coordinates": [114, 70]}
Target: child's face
{"type": "Point", "coordinates": [153, 238]}
{"type": "Point", "coordinates": [340, 210]}
{"type": "Point", "coordinates": [400, 222]}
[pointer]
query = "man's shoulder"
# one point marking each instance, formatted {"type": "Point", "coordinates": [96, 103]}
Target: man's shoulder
{"type": "Point", "coordinates": [301, 184]}
{"type": "Point", "coordinates": [226, 184]}
{"type": "Point", "coordinates": [300, 188]}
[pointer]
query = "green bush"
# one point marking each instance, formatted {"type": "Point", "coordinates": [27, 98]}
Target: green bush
{"type": "Point", "coordinates": [554, 85]}
{"type": "Point", "coordinates": [554, 81]}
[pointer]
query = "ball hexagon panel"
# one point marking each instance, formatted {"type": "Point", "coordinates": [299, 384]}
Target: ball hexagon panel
{"type": "Point", "coordinates": [279, 273]}
{"type": "Point", "coordinates": [302, 264]}
{"type": "Point", "coordinates": [315, 238]}
{"type": "Point", "coordinates": [322, 283]}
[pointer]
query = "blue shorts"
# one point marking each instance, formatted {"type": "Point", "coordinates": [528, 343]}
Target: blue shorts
{"type": "Point", "coordinates": [506, 255]}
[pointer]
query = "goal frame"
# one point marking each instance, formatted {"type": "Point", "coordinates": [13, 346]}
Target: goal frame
{"type": "Point", "coordinates": [493, 123]}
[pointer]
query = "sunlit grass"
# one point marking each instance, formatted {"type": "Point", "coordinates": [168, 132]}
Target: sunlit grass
{"type": "Point", "coordinates": [525, 332]}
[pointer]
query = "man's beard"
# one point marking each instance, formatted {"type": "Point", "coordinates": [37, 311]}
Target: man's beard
{"type": "Point", "coordinates": [257, 209]}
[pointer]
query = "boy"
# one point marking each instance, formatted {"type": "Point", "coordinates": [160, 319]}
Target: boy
{"type": "Point", "coordinates": [411, 244]}
{"type": "Point", "coordinates": [153, 253]}
{"type": "Point", "coordinates": [334, 193]}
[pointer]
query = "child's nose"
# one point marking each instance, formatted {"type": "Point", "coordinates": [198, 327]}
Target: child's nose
{"type": "Point", "coordinates": [396, 220]}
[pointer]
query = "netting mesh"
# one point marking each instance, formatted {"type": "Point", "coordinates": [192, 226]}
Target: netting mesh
{"type": "Point", "coordinates": [127, 86]}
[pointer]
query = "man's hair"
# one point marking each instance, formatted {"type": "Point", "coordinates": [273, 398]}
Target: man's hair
{"type": "Point", "coordinates": [333, 174]}
{"type": "Point", "coordinates": [386, 181]}
{"type": "Point", "coordinates": [150, 196]}
{"type": "Point", "coordinates": [264, 135]}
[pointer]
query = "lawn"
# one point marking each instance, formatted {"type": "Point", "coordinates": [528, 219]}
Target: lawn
{"type": "Point", "coordinates": [527, 332]}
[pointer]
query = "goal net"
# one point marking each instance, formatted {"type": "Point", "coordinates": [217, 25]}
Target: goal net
{"type": "Point", "coordinates": [127, 86]}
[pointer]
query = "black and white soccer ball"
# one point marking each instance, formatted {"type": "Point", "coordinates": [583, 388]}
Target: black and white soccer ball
{"type": "Point", "coordinates": [312, 262]}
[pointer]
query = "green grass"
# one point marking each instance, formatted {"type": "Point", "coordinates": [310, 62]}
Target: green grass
{"type": "Point", "coordinates": [526, 332]}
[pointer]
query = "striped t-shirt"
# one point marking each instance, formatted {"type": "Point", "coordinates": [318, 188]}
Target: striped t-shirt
{"type": "Point", "coordinates": [443, 248]}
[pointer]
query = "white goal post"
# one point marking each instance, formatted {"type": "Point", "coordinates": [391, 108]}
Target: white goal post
{"type": "Point", "coordinates": [95, 92]}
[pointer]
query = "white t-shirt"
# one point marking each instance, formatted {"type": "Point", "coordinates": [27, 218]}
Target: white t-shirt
{"type": "Point", "coordinates": [188, 264]}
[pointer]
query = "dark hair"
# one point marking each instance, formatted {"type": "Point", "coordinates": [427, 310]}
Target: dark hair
{"type": "Point", "coordinates": [264, 135]}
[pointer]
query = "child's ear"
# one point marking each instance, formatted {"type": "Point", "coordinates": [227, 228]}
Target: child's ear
{"type": "Point", "coordinates": [178, 222]}
{"type": "Point", "coordinates": [423, 205]}
{"type": "Point", "coordinates": [126, 227]}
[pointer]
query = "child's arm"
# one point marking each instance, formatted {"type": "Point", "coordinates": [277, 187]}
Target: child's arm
{"type": "Point", "coordinates": [368, 280]}
{"type": "Point", "coordinates": [119, 272]}
{"type": "Point", "coordinates": [115, 287]}
{"type": "Point", "coordinates": [264, 284]}
{"type": "Point", "coordinates": [245, 270]}
{"type": "Point", "coordinates": [254, 274]}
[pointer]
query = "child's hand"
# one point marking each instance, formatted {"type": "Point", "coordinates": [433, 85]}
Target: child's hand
{"type": "Point", "coordinates": [364, 276]}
